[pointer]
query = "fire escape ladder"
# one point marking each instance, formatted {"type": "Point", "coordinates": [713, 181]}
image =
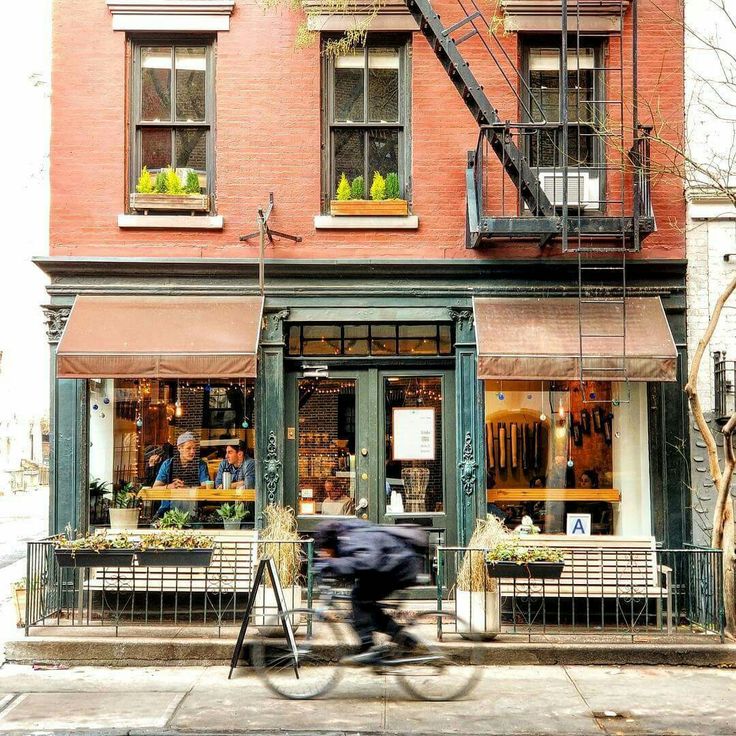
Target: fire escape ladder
{"type": "Point", "coordinates": [445, 48]}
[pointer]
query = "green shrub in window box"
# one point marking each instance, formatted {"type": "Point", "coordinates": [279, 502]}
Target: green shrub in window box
{"type": "Point", "coordinates": [511, 559]}
{"type": "Point", "coordinates": [168, 192]}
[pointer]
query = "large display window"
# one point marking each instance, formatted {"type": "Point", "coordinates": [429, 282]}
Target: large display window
{"type": "Point", "coordinates": [571, 462]}
{"type": "Point", "coordinates": [185, 445]}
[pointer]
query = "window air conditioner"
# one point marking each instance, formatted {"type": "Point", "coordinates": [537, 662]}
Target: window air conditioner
{"type": "Point", "coordinates": [582, 189]}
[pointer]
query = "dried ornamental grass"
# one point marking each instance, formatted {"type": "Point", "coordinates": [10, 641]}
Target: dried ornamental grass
{"type": "Point", "coordinates": [280, 526]}
{"type": "Point", "coordinates": [472, 575]}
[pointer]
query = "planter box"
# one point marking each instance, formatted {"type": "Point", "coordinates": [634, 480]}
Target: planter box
{"type": "Point", "coordinates": [538, 570]}
{"type": "Point", "coordinates": [478, 614]}
{"type": "Point", "coordinates": [179, 202]}
{"type": "Point", "coordinates": [88, 558]}
{"type": "Point", "coordinates": [266, 610]}
{"type": "Point", "coordinates": [367, 207]}
{"type": "Point", "coordinates": [175, 557]}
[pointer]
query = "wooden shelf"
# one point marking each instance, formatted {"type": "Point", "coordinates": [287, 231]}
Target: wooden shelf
{"type": "Point", "coordinates": [197, 494]}
{"type": "Point", "coordinates": [505, 495]}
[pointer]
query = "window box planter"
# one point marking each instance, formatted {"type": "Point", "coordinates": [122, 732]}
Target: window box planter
{"type": "Point", "coordinates": [369, 208]}
{"type": "Point", "coordinates": [175, 557]}
{"type": "Point", "coordinates": [169, 202]}
{"type": "Point", "coordinates": [537, 570]}
{"type": "Point", "coordinates": [90, 558]}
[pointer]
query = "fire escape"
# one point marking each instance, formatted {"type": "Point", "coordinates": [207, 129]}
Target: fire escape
{"type": "Point", "coordinates": [531, 179]}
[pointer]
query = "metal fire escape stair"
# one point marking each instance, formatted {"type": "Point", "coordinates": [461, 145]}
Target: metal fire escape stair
{"type": "Point", "coordinates": [445, 48]}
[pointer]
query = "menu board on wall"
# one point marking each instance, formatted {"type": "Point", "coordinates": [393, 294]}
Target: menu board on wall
{"type": "Point", "coordinates": [413, 434]}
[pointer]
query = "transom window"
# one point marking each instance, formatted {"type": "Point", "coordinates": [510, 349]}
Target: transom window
{"type": "Point", "coordinates": [172, 111]}
{"type": "Point", "coordinates": [371, 339]}
{"type": "Point", "coordinates": [367, 103]}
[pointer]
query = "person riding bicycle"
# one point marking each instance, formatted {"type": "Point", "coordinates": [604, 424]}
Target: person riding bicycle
{"type": "Point", "coordinates": [380, 560]}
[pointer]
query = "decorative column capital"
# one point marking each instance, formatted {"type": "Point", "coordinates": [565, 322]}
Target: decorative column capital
{"type": "Point", "coordinates": [271, 469]}
{"type": "Point", "coordinates": [463, 317]}
{"type": "Point", "coordinates": [272, 323]}
{"type": "Point", "coordinates": [56, 317]}
{"type": "Point", "coordinates": [468, 466]}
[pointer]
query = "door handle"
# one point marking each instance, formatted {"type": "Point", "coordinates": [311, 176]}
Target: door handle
{"type": "Point", "coordinates": [364, 476]}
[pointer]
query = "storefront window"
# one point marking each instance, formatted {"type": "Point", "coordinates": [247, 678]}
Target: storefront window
{"type": "Point", "coordinates": [186, 445]}
{"type": "Point", "coordinates": [561, 458]}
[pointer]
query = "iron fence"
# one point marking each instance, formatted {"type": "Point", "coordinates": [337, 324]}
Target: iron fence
{"type": "Point", "coordinates": [724, 376]}
{"type": "Point", "coordinates": [213, 596]}
{"type": "Point", "coordinates": [625, 591]}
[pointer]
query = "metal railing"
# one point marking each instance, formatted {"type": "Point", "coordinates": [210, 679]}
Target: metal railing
{"type": "Point", "coordinates": [625, 592]}
{"type": "Point", "coordinates": [724, 375]}
{"type": "Point", "coordinates": [213, 596]}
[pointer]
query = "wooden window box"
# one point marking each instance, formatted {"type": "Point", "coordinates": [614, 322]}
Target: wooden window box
{"type": "Point", "coordinates": [169, 202]}
{"type": "Point", "coordinates": [369, 208]}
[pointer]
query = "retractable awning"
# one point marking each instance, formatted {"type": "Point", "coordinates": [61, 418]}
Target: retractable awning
{"type": "Point", "coordinates": [539, 339]}
{"type": "Point", "coordinates": [160, 337]}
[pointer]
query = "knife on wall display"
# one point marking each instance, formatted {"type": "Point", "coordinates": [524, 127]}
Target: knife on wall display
{"type": "Point", "coordinates": [502, 446]}
{"type": "Point", "coordinates": [524, 446]}
{"type": "Point", "coordinates": [514, 432]}
{"type": "Point", "coordinates": [491, 443]}
{"type": "Point", "coordinates": [537, 445]}
{"type": "Point", "coordinates": [598, 419]}
{"type": "Point", "coordinates": [608, 428]}
{"type": "Point", "coordinates": [585, 421]}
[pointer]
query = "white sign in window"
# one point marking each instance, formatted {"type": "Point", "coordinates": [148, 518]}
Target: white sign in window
{"type": "Point", "coordinates": [578, 525]}
{"type": "Point", "coordinates": [413, 434]}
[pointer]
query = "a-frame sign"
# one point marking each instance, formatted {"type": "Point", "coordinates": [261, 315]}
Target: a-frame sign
{"type": "Point", "coordinates": [265, 565]}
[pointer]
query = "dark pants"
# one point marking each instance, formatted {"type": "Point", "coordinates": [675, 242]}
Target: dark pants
{"type": "Point", "coordinates": [368, 616]}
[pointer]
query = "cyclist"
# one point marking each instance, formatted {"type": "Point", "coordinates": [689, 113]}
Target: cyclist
{"type": "Point", "coordinates": [381, 560]}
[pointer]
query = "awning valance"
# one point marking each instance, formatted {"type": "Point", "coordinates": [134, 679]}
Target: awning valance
{"type": "Point", "coordinates": [160, 337]}
{"type": "Point", "coordinates": [539, 339]}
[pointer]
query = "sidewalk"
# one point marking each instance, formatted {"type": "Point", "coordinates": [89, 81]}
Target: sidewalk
{"type": "Point", "coordinates": [509, 700]}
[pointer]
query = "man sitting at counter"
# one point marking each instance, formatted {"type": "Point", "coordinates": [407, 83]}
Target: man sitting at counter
{"type": "Point", "coordinates": [183, 470]}
{"type": "Point", "coordinates": [242, 471]}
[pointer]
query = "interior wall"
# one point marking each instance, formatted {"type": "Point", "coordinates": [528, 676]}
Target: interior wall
{"type": "Point", "coordinates": [101, 444]}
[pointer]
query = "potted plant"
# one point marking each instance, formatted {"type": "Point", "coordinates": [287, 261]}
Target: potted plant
{"type": "Point", "coordinates": [175, 548]}
{"type": "Point", "coordinates": [476, 593]}
{"type": "Point", "coordinates": [124, 509]}
{"type": "Point", "coordinates": [94, 550]}
{"type": "Point", "coordinates": [19, 598]}
{"type": "Point", "coordinates": [232, 514]}
{"type": "Point", "coordinates": [98, 489]}
{"type": "Point", "coordinates": [279, 539]}
{"type": "Point", "coordinates": [511, 559]}
{"type": "Point", "coordinates": [171, 190]}
{"type": "Point", "coordinates": [384, 199]}
{"type": "Point", "coordinates": [174, 519]}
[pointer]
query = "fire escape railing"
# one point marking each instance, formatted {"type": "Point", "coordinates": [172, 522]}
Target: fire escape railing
{"type": "Point", "coordinates": [724, 374]}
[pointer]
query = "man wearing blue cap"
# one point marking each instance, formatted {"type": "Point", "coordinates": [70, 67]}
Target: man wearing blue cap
{"type": "Point", "coordinates": [182, 471]}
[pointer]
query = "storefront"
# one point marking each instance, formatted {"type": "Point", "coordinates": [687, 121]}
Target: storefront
{"type": "Point", "coordinates": [421, 393]}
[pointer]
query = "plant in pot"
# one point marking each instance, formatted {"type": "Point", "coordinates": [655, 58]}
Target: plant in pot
{"type": "Point", "coordinates": [384, 199]}
{"type": "Point", "coordinates": [168, 192]}
{"type": "Point", "coordinates": [232, 514]}
{"type": "Point", "coordinates": [124, 509]}
{"type": "Point", "coordinates": [511, 558]}
{"type": "Point", "coordinates": [279, 539]}
{"type": "Point", "coordinates": [98, 489]}
{"type": "Point", "coordinates": [173, 519]}
{"type": "Point", "coordinates": [175, 548]}
{"type": "Point", "coordinates": [476, 593]}
{"type": "Point", "coordinates": [19, 599]}
{"type": "Point", "coordinates": [94, 550]}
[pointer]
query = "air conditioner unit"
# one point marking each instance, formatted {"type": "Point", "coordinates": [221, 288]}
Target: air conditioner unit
{"type": "Point", "coordinates": [582, 189]}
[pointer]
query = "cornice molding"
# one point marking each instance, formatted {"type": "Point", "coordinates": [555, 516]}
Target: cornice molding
{"type": "Point", "coordinates": [171, 15]}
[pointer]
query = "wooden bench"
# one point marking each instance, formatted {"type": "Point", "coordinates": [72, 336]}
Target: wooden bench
{"type": "Point", "coordinates": [599, 567]}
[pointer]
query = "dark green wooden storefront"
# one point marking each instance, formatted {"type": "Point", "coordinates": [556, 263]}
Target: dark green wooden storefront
{"type": "Point", "coordinates": [365, 291]}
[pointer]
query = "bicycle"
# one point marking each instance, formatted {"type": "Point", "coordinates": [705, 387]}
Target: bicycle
{"type": "Point", "coordinates": [426, 670]}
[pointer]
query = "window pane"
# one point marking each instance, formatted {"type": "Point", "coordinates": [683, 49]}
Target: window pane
{"type": "Point", "coordinates": [383, 152]}
{"type": "Point", "coordinates": [383, 340]}
{"type": "Point", "coordinates": [383, 85]}
{"type": "Point", "coordinates": [321, 339]}
{"type": "Point", "coordinates": [191, 153]}
{"type": "Point", "coordinates": [294, 340]}
{"type": "Point", "coordinates": [580, 146]}
{"type": "Point", "coordinates": [191, 67]}
{"type": "Point", "coordinates": [445, 340]}
{"type": "Point", "coordinates": [349, 147]}
{"type": "Point", "coordinates": [156, 148]}
{"type": "Point", "coordinates": [356, 339]}
{"type": "Point", "coordinates": [348, 100]}
{"type": "Point", "coordinates": [155, 83]}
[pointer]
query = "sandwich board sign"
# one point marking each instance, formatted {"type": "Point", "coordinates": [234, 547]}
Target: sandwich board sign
{"type": "Point", "coordinates": [578, 525]}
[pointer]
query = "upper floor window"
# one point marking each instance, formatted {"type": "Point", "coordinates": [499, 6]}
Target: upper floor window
{"type": "Point", "coordinates": [367, 109]}
{"type": "Point", "coordinates": [172, 112]}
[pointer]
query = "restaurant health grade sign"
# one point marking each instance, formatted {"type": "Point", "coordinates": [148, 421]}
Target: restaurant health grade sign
{"type": "Point", "coordinates": [413, 431]}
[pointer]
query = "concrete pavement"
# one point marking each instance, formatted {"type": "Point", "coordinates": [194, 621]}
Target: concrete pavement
{"type": "Point", "coordinates": [510, 700]}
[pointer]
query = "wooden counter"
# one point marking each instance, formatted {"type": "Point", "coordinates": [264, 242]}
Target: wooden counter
{"type": "Point", "coordinates": [197, 494]}
{"type": "Point", "coordinates": [520, 495]}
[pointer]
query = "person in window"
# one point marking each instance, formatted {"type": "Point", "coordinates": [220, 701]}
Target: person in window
{"type": "Point", "coordinates": [589, 479]}
{"type": "Point", "coordinates": [235, 463]}
{"type": "Point", "coordinates": [183, 470]}
{"type": "Point", "coordinates": [154, 458]}
{"type": "Point", "coordinates": [337, 502]}
{"type": "Point", "coordinates": [248, 464]}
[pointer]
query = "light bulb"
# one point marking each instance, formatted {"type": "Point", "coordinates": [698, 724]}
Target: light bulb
{"type": "Point", "coordinates": [561, 410]}
{"type": "Point", "coordinates": [177, 408]}
{"type": "Point", "coordinates": [570, 463]}
{"type": "Point", "coordinates": [542, 417]}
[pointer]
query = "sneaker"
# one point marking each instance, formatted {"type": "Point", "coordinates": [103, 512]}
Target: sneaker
{"type": "Point", "coordinates": [405, 640]}
{"type": "Point", "coordinates": [374, 655]}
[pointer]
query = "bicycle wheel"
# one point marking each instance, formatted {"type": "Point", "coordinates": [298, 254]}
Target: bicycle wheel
{"type": "Point", "coordinates": [435, 671]}
{"type": "Point", "coordinates": [314, 670]}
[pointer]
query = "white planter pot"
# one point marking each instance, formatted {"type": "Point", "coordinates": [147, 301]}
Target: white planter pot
{"type": "Point", "coordinates": [231, 524]}
{"type": "Point", "coordinates": [265, 611]}
{"type": "Point", "coordinates": [124, 519]}
{"type": "Point", "coordinates": [479, 613]}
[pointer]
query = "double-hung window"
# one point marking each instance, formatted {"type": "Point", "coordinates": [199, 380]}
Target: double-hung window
{"type": "Point", "coordinates": [367, 109]}
{"type": "Point", "coordinates": [173, 111]}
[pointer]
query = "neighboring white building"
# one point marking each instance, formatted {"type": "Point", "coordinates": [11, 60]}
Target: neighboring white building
{"type": "Point", "coordinates": [710, 97]}
{"type": "Point", "coordinates": [24, 210]}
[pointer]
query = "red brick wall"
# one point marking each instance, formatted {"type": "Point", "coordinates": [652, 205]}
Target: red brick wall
{"type": "Point", "coordinates": [268, 139]}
